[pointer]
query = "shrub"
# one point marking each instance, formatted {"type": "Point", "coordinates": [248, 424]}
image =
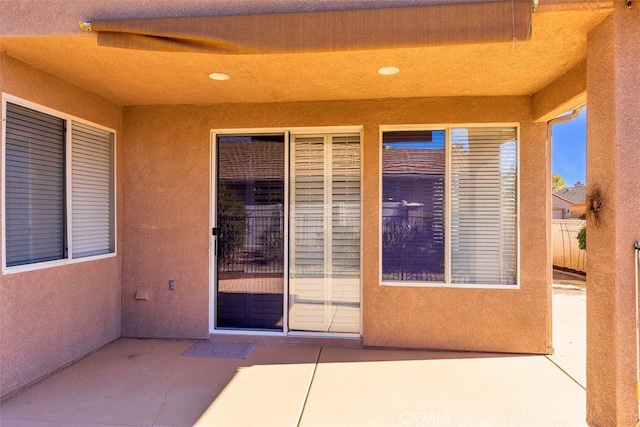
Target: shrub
{"type": "Point", "coordinates": [582, 238]}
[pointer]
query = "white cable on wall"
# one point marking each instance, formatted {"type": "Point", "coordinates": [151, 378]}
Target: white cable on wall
{"type": "Point", "coordinates": [636, 262]}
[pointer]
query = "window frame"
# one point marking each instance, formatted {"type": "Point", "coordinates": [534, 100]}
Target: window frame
{"type": "Point", "coordinates": [68, 119]}
{"type": "Point", "coordinates": [447, 283]}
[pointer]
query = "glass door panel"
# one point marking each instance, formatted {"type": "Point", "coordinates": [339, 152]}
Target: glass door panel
{"type": "Point", "coordinates": [250, 230]}
{"type": "Point", "coordinates": [324, 266]}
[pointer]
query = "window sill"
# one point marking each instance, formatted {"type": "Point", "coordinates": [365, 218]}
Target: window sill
{"type": "Point", "coordinates": [52, 264]}
{"type": "Point", "coordinates": [410, 284]}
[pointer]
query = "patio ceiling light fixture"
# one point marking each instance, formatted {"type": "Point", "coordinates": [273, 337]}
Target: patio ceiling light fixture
{"type": "Point", "coordinates": [388, 71]}
{"type": "Point", "coordinates": [219, 76]}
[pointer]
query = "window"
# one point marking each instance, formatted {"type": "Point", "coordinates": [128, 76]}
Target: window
{"type": "Point", "coordinates": [58, 188]}
{"type": "Point", "coordinates": [449, 206]}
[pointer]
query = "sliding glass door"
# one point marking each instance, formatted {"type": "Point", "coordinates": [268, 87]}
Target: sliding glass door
{"type": "Point", "coordinates": [286, 257]}
{"type": "Point", "coordinates": [324, 244]}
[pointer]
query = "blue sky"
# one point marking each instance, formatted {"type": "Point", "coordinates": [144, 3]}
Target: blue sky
{"type": "Point", "coordinates": [569, 149]}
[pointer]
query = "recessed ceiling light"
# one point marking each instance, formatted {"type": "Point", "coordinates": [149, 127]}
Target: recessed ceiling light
{"type": "Point", "coordinates": [219, 76]}
{"type": "Point", "coordinates": [389, 71]}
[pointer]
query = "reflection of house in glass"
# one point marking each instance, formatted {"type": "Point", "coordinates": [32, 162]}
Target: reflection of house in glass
{"type": "Point", "coordinates": [413, 205]}
{"type": "Point", "coordinates": [460, 207]}
{"type": "Point", "coordinates": [251, 201]}
{"type": "Point", "coordinates": [250, 231]}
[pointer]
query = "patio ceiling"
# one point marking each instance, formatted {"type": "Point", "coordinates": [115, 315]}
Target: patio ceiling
{"type": "Point", "coordinates": [136, 77]}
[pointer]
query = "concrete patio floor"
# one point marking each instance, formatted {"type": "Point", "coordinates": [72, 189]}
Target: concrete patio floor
{"type": "Point", "coordinates": [287, 382]}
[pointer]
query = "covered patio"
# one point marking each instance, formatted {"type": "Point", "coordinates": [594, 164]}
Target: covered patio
{"type": "Point", "coordinates": [306, 382]}
{"type": "Point", "coordinates": [162, 81]}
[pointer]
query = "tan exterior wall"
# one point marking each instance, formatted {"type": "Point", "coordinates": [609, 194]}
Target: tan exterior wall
{"type": "Point", "coordinates": [166, 224]}
{"type": "Point", "coordinates": [562, 94]}
{"type": "Point", "coordinates": [613, 156]}
{"type": "Point", "coordinates": [50, 317]}
{"type": "Point", "coordinates": [167, 192]}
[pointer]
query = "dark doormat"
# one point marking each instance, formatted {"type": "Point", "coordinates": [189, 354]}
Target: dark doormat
{"type": "Point", "coordinates": [220, 350]}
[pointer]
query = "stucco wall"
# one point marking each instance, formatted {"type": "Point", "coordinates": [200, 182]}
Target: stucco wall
{"type": "Point", "coordinates": [613, 156]}
{"type": "Point", "coordinates": [53, 316]}
{"type": "Point", "coordinates": [167, 192]}
{"type": "Point", "coordinates": [166, 223]}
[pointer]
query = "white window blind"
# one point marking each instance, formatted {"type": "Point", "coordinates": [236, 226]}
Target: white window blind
{"type": "Point", "coordinates": [325, 237]}
{"type": "Point", "coordinates": [35, 186]}
{"type": "Point", "coordinates": [483, 205]}
{"type": "Point", "coordinates": [309, 208]}
{"type": "Point", "coordinates": [345, 215]}
{"type": "Point", "coordinates": [92, 191]}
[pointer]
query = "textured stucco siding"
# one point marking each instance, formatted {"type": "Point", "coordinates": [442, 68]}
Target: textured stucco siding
{"type": "Point", "coordinates": [51, 317]}
{"type": "Point", "coordinates": [167, 195]}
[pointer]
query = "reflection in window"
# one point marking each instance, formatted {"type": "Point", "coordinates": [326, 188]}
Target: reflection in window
{"type": "Point", "coordinates": [468, 237]}
{"type": "Point", "coordinates": [413, 178]}
{"type": "Point", "coordinates": [250, 226]}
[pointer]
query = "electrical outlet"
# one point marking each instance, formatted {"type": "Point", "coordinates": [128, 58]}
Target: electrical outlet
{"type": "Point", "coordinates": [172, 285]}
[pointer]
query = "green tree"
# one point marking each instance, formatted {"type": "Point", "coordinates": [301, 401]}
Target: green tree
{"type": "Point", "coordinates": [557, 183]}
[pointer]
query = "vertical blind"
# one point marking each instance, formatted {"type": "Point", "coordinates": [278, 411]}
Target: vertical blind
{"type": "Point", "coordinates": [325, 238]}
{"type": "Point", "coordinates": [483, 205]}
{"type": "Point", "coordinates": [35, 186]}
{"type": "Point", "coordinates": [92, 191]}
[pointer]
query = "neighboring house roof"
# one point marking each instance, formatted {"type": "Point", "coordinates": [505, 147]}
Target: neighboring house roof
{"type": "Point", "coordinates": [577, 195]}
{"type": "Point", "coordinates": [561, 202]}
{"type": "Point", "coordinates": [561, 198]}
{"type": "Point", "coordinates": [263, 160]}
{"type": "Point", "coordinates": [255, 160]}
{"type": "Point", "coordinates": [411, 161]}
